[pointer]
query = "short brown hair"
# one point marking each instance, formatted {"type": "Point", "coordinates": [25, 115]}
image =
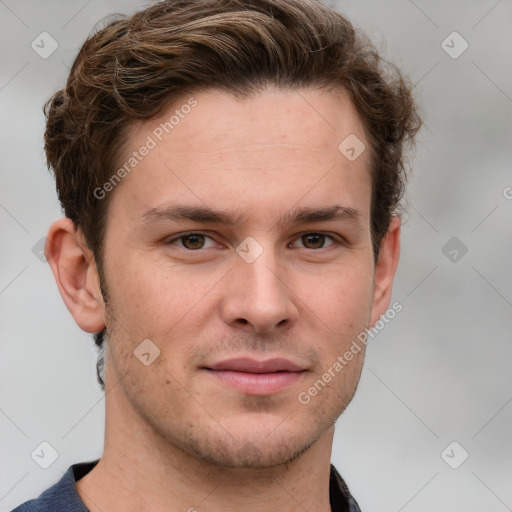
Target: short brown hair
{"type": "Point", "coordinates": [135, 67]}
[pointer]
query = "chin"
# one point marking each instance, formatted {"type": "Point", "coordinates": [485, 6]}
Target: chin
{"type": "Point", "coordinates": [252, 456]}
{"type": "Point", "coordinates": [252, 451]}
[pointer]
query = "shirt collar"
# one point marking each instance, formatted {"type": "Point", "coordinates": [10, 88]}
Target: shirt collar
{"type": "Point", "coordinates": [339, 496]}
{"type": "Point", "coordinates": [65, 490]}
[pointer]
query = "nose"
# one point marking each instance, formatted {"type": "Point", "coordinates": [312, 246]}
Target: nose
{"type": "Point", "coordinates": [259, 296]}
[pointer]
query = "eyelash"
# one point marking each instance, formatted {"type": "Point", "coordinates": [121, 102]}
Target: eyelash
{"type": "Point", "coordinates": [191, 233]}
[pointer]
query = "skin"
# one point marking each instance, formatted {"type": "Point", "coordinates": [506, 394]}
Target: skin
{"type": "Point", "coordinates": [176, 438]}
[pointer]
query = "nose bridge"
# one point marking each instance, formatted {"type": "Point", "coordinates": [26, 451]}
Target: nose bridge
{"type": "Point", "coordinates": [263, 279]}
{"type": "Point", "coordinates": [258, 294]}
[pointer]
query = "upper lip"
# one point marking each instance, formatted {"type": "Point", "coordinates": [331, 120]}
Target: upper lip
{"type": "Point", "coordinates": [244, 364]}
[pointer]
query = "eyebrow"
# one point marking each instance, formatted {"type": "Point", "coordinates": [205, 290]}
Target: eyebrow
{"type": "Point", "coordinates": [208, 215]}
{"type": "Point", "coordinates": [334, 212]}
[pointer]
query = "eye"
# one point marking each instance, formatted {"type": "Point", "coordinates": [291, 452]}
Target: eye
{"type": "Point", "coordinates": [193, 241]}
{"type": "Point", "coordinates": [315, 240]}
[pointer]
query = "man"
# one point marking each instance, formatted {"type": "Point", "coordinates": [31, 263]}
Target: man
{"type": "Point", "coordinates": [230, 172]}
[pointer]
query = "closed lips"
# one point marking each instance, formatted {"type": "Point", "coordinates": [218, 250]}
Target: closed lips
{"type": "Point", "coordinates": [253, 366]}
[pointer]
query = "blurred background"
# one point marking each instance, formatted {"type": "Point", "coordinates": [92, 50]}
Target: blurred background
{"type": "Point", "coordinates": [430, 425]}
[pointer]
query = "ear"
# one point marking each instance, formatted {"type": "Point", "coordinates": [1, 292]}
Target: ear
{"type": "Point", "coordinates": [75, 272]}
{"type": "Point", "coordinates": [385, 270]}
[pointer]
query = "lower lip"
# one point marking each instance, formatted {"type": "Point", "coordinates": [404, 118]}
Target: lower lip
{"type": "Point", "coordinates": [258, 383]}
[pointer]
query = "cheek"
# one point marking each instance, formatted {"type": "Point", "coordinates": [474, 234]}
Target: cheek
{"type": "Point", "coordinates": [341, 299]}
{"type": "Point", "coordinates": [154, 293]}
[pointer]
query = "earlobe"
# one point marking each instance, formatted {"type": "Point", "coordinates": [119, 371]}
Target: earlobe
{"type": "Point", "coordinates": [385, 270]}
{"type": "Point", "coordinates": [76, 275]}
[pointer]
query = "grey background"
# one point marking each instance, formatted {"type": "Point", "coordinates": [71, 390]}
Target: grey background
{"type": "Point", "coordinates": [439, 372]}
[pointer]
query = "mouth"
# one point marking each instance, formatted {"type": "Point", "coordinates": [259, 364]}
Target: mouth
{"type": "Point", "coordinates": [254, 377]}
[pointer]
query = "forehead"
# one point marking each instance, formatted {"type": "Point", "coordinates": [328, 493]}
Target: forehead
{"type": "Point", "coordinates": [309, 118]}
{"type": "Point", "coordinates": [270, 149]}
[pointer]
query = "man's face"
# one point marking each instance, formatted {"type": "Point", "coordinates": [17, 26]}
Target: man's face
{"type": "Point", "coordinates": [278, 282]}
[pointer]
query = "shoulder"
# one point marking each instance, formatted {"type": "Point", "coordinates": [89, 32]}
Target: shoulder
{"type": "Point", "coordinates": [30, 506]}
{"type": "Point", "coordinates": [62, 496]}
